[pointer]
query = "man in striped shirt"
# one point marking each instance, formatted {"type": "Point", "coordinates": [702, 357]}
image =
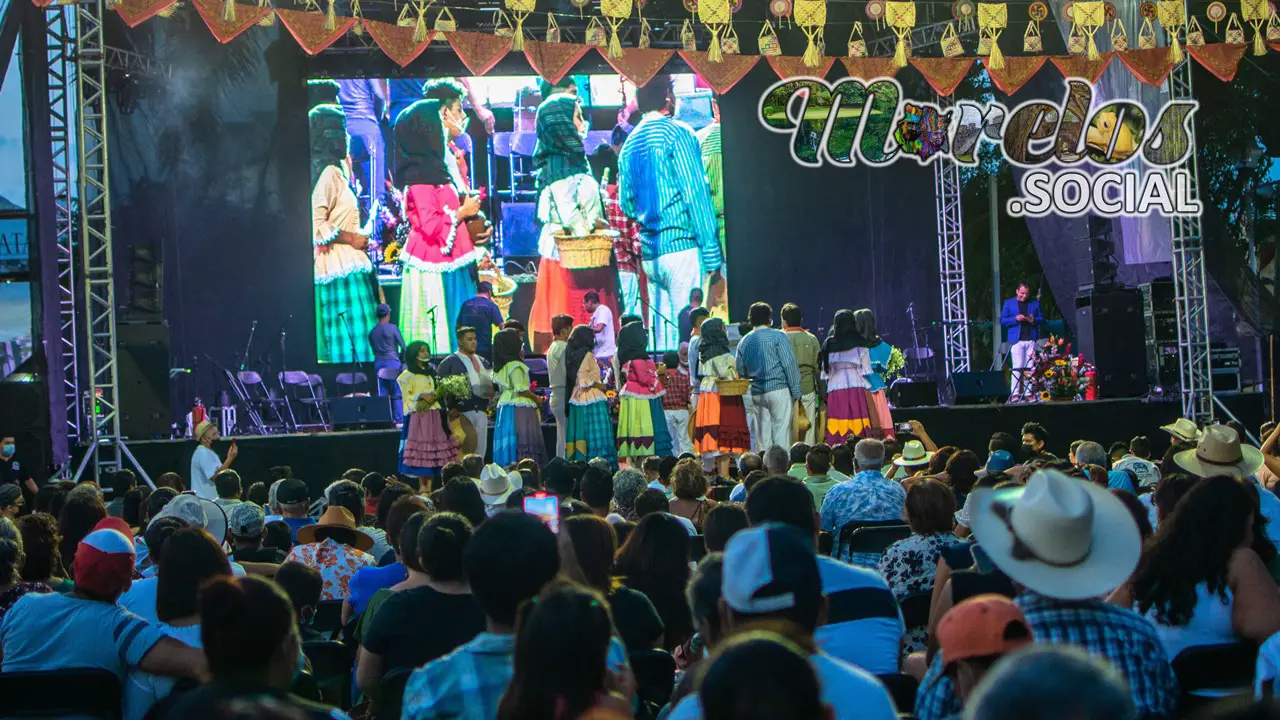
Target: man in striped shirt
{"type": "Point", "coordinates": [663, 187]}
{"type": "Point", "coordinates": [765, 356]}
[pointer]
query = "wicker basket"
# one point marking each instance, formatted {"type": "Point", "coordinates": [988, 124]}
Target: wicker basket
{"type": "Point", "coordinates": [504, 290]}
{"type": "Point", "coordinates": [733, 387]}
{"type": "Point", "coordinates": [585, 252]}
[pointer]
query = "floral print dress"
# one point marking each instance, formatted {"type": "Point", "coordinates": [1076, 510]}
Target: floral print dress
{"type": "Point", "coordinates": [909, 566]}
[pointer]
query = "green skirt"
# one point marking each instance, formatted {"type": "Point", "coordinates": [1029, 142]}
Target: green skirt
{"type": "Point", "coordinates": [352, 294]}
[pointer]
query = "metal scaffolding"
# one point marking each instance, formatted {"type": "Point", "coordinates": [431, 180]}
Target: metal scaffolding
{"type": "Point", "coordinates": [102, 428]}
{"type": "Point", "coordinates": [59, 45]}
{"type": "Point", "coordinates": [1190, 298]}
{"type": "Point", "coordinates": [955, 309]}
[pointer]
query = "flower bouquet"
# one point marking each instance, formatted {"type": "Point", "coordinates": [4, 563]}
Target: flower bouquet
{"type": "Point", "coordinates": [897, 362]}
{"type": "Point", "coordinates": [395, 227]}
{"type": "Point", "coordinates": [1061, 375]}
{"type": "Point", "coordinates": [453, 389]}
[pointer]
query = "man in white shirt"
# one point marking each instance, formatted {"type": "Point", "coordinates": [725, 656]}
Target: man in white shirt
{"type": "Point", "coordinates": [205, 463]}
{"type": "Point", "coordinates": [561, 326]}
{"type": "Point", "coordinates": [602, 325]}
{"type": "Point", "coordinates": [1147, 472]}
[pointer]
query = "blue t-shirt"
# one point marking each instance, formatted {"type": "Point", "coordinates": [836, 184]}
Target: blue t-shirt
{"type": "Point", "coordinates": [482, 314]}
{"type": "Point", "coordinates": [369, 580]}
{"type": "Point", "coordinates": [51, 631]}
{"type": "Point", "coordinates": [296, 523]}
{"type": "Point", "coordinates": [864, 625]}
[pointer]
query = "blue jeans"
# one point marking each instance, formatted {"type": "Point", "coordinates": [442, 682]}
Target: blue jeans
{"type": "Point", "coordinates": [390, 387]}
{"type": "Point", "coordinates": [369, 164]}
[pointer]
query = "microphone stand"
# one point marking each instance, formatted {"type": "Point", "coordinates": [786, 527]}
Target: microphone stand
{"type": "Point", "coordinates": [245, 358]}
{"type": "Point", "coordinates": [284, 368]}
{"type": "Point", "coordinates": [351, 338]}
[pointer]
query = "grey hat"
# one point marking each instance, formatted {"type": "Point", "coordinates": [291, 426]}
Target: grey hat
{"type": "Point", "coordinates": [246, 520]}
{"type": "Point", "coordinates": [10, 494]}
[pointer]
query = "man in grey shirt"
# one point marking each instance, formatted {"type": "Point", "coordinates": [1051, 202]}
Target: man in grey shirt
{"type": "Point", "coordinates": [387, 344]}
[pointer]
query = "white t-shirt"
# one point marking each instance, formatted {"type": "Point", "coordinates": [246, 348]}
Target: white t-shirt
{"type": "Point", "coordinates": [204, 463]}
{"type": "Point", "coordinates": [143, 690]}
{"type": "Point", "coordinates": [605, 346]}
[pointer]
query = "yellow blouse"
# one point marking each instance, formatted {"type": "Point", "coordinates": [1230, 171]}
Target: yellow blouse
{"type": "Point", "coordinates": [584, 392]}
{"type": "Point", "coordinates": [411, 386]}
{"type": "Point", "coordinates": [513, 379]}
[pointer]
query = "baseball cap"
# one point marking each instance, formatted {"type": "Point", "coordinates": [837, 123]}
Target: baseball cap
{"type": "Point", "coordinates": [999, 461]}
{"type": "Point", "coordinates": [982, 626]}
{"type": "Point", "coordinates": [292, 491]}
{"type": "Point", "coordinates": [769, 568]}
{"type": "Point", "coordinates": [197, 512]}
{"type": "Point", "coordinates": [246, 520]}
{"type": "Point", "coordinates": [104, 563]}
{"type": "Point", "coordinates": [384, 310]}
{"type": "Point", "coordinates": [10, 494]}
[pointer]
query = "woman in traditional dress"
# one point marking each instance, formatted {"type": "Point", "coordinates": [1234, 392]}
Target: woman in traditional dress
{"type": "Point", "coordinates": [344, 287]}
{"type": "Point", "coordinates": [720, 424]}
{"type": "Point", "coordinates": [439, 256]}
{"type": "Point", "coordinates": [589, 433]}
{"type": "Point", "coordinates": [517, 431]}
{"type": "Point", "coordinates": [846, 365]}
{"type": "Point", "coordinates": [425, 443]}
{"type": "Point", "coordinates": [879, 352]}
{"type": "Point", "coordinates": [568, 203]}
{"type": "Point", "coordinates": [639, 435]}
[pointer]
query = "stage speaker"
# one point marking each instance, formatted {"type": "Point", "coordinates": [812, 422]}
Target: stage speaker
{"type": "Point", "coordinates": [904, 394]}
{"type": "Point", "coordinates": [979, 388]}
{"type": "Point", "coordinates": [519, 230]}
{"type": "Point", "coordinates": [142, 366]}
{"type": "Point", "coordinates": [1110, 334]}
{"type": "Point", "coordinates": [361, 412]}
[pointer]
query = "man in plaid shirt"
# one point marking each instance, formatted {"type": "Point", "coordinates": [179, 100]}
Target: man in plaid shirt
{"type": "Point", "coordinates": [1066, 544]}
{"type": "Point", "coordinates": [632, 293]}
{"type": "Point", "coordinates": [675, 404]}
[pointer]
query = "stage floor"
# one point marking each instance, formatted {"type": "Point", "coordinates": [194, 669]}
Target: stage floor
{"type": "Point", "coordinates": [319, 458]}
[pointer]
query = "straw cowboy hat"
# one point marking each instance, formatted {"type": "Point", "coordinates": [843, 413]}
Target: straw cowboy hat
{"type": "Point", "coordinates": [913, 455]}
{"type": "Point", "coordinates": [1219, 452]}
{"type": "Point", "coordinates": [463, 433]}
{"type": "Point", "coordinates": [336, 518]}
{"type": "Point", "coordinates": [1183, 429]}
{"type": "Point", "coordinates": [496, 484]}
{"type": "Point", "coordinates": [1060, 537]}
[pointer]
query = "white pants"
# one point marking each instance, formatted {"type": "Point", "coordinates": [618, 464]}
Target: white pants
{"type": "Point", "coordinates": [1020, 355]}
{"type": "Point", "coordinates": [773, 419]}
{"type": "Point", "coordinates": [480, 420]}
{"type": "Point", "coordinates": [810, 403]}
{"type": "Point", "coordinates": [562, 424]}
{"type": "Point", "coordinates": [629, 293]}
{"type": "Point", "coordinates": [671, 278]}
{"type": "Point", "coordinates": [753, 428]}
{"type": "Point", "coordinates": [678, 426]}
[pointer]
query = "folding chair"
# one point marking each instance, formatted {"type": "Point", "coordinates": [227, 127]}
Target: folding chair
{"type": "Point", "coordinates": [84, 692]}
{"type": "Point", "coordinates": [655, 672]}
{"type": "Point", "coordinates": [352, 384]}
{"type": "Point", "coordinates": [848, 529]}
{"type": "Point", "coordinates": [1210, 672]}
{"type": "Point", "coordinates": [331, 664]}
{"type": "Point", "coordinates": [299, 388]}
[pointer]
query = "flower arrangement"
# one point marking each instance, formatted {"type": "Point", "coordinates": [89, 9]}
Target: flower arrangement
{"type": "Point", "coordinates": [1061, 375]}
{"type": "Point", "coordinates": [453, 389]}
{"type": "Point", "coordinates": [897, 362]}
{"type": "Point", "coordinates": [395, 226]}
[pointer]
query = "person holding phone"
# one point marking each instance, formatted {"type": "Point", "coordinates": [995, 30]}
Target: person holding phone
{"type": "Point", "coordinates": [439, 254]}
{"type": "Point", "coordinates": [204, 461]}
{"type": "Point", "coordinates": [1020, 317]}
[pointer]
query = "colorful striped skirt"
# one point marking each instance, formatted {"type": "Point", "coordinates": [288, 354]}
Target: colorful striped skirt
{"type": "Point", "coordinates": [720, 425]}
{"type": "Point", "coordinates": [848, 414]}
{"type": "Point", "coordinates": [351, 294]}
{"type": "Point", "coordinates": [425, 447]}
{"type": "Point", "coordinates": [589, 432]}
{"type": "Point", "coordinates": [421, 291]}
{"type": "Point", "coordinates": [881, 419]}
{"type": "Point", "coordinates": [517, 434]}
{"type": "Point", "coordinates": [636, 427]}
{"type": "Point", "coordinates": [662, 445]}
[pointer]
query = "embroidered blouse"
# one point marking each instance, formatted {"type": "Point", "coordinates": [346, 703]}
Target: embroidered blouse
{"type": "Point", "coordinates": [411, 386]}
{"type": "Point", "coordinates": [584, 390]}
{"type": "Point", "coordinates": [849, 369]}
{"type": "Point", "coordinates": [720, 367]}
{"type": "Point", "coordinates": [642, 380]}
{"type": "Point", "coordinates": [437, 242]}
{"type": "Point", "coordinates": [334, 209]}
{"type": "Point", "coordinates": [512, 380]}
{"type": "Point", "coordinates": [572, 205]}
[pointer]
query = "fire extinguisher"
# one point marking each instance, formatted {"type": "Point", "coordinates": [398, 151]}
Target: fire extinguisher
{"type": "Point", "coordinates": [1091, 391]}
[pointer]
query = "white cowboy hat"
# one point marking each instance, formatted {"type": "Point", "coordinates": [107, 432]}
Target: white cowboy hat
{"type": "Point", "coordinates": [496, 484]}
{"type": "Point", "coordinates": [1061, 537]}
{"type": "Point", "coordinates": [1219, 452]}
{"type": "Point", "coordinates": [1183, 429]}
{"type": "Point", "coordinates": [913, 455]}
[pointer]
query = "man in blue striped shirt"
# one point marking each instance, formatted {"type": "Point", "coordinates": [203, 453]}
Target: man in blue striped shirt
{"type": "Point", "coordinates": [662, 186]}
{"type": "Point", "coordinates": [765, 356]}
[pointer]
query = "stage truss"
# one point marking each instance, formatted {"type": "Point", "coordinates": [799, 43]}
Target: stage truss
{"type": "Point", "coordinates": [955, 308]}
{"type": "Point", "coordinates": [59, 46]}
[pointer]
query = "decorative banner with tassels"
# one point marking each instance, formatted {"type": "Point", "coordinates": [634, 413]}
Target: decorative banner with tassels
{"type": "Point", "coordinates": [993, 18]}
{"type": "Point", "coordinates": [520, 10]}
{"type": "Point", "coordinates": [715, 14]}
{"type": "Point", "coordinates": [397, 41]}
{"type": "Point", "coordinates": [901, 18]}
{"type": "Point", "coordinates": [243, 17]}
{"type": "Point", "coordinates": [553, 60]}
{"type": "Point", "coordinates": [1173, 18]}
{"type": "Point", "coordinates": [1089, 17]}
{"type": "Point", "coordinates": [1256, 13]}
{"type": "Point", "coordinates": [314, 31]}
{"type": "Point", "coordinates": [615, 13]}
{"type": "Point", "coordinates": [811, 16]}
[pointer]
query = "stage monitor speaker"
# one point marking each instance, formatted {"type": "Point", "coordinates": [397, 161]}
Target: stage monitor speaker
{"type": "Point", "coordinates": [1110, 334]}
{"type": "Point", "coordinates": [142, 364]}
{"type": "Point", "coordinates": [914, 394]}
{"type": "Point", "coordinates": [978, 388]}
{"type": "Point", "coordinates": [361, 412]}
{"type": "Point", "coordinates": [520, 230]}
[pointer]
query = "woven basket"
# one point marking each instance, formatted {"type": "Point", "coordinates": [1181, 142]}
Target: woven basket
{"type": "Point", "coordinates": [504, 290]}
{"type": "Point", "coordinates": [733, 387]}
{"type": "Point", "coordinates": [586, 251]}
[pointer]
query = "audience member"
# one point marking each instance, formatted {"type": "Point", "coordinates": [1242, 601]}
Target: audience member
{"type": "Point", "coordinates": [628, 483]}
{"type": "Point", "coordinates": [279, 536]}
{"type": "Point", "coordinates": [49, 499]}
{"type": "Point", "coordinates": [961, 473]}
{"type": "Point", "coordinates": [562, 663]}
{"type": "Point", "coordinates": [1220, 452]}
{"type": "Point", "coordinates": [227, 485]}
{"type": "Point", "coordinates": [80, 513]}
{"type": "Point", "coordinates": [462, 496]}
{"type": "Point", "coordinates": [597, 491]}
{"type": "Point", "coordinates": [913, 460]}
{"type": "Point", "coordinates": [748, 463]}
{"type": "Point", "coordinates": [761, 676]}
{"type": "Point", "coordinates": [12, 586]}
{"type": "Point", "coordinates": [975, 634]}
{"type": "Point", "coordinates": [42, 564]}
{"type": "Point", "coordinates": [1169, 492]}
{"type": "Point", "coordinates": [1052, 683]}
{"type": "Point", "coordinates": [247, 526]}
{"type": "Point", "coordinates": [258, 495]}
{"type": "Point", "coordinates": [799, 453]}
{"type": "Point", "coordinates": [121, 482]}
{"type": "Point", "coordinates": [909, 565]}
{"type": "Point", "coordinates": [1089, 453]}
{"type": "Point", "coordinates": [1138, 460]}
{"type": "Point", "coordinates": [818, 476]}
{"type": "Point", "coordinates": [655, 561]}
{"type": "Point", "coordinates": [334, 547]}
{"type": "Point", "coordinates": [171, 480]}
{"type": "Point", "coordinates": [418, 625]}
{"type": "Point", "coordinates": [1137, 510]}
{"type": "Point", "coordinates": [587, 549]}
{"type": "Point", "coordinates": [303, 586]}
{"type": "Point", "coordinates": [862, 626]}
{"type": "Point", "coordinates": [689, 486]}
{"type": "Point", "coordinates": [868, 497]}
{"type": "Point", "coordinates": [1034, 443]}
{"type": "Point", "coordinates": [938, 463]}
{"type": "Point", "coordinates": [294, 500]}
{"type": "Point", "coordinates": [771, 575]}
{"type": "Point", "coordinates": [368, 581]}
{"type": "Point", "coordinates": [777, 461]}
{"type": "Point", "coordinates": [11, 501]}
{"type": "Point", "coordinates": [350, 495]}
{"type": "Point", "coordinates": [373, 484]}
{"type": "Point", "coordinates": [721, 524]}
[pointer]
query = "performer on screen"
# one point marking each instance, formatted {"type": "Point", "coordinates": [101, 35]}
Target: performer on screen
{"type": "Point", "coordinates": [425, 443]}
{"type": "Point", "coordinates": [439, 256]}
{"type": "Point", "coordinates": [568, 203]}
{"type": "Point", "coordinates": [343, 274]}
{"type": "Point", "coordinates": [664, 188]}
{"type": "Point", "coordinates": [713, 166]}
{"type": "Point", "coordinates": [365, 104]}
{"type": "Point", "coordinates": [633, 291]}
{"type": "Point", "coordinates": [846, 363]}
{"type": "Point", "coordinates": [878, 352]}
{"type": "Point", "coordinates": [1020, 317]}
